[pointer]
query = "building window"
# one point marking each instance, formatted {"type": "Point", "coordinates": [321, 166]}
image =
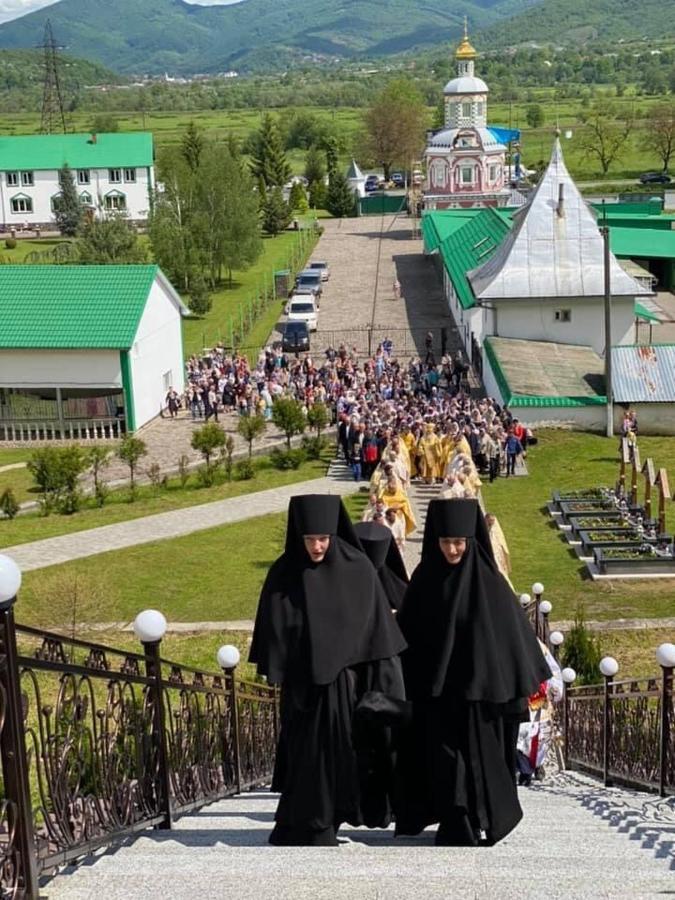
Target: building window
{"type": "Point", "coordinates": [466, 110]}
{"type": "Point", "coordinates": [114, 176]}
{"type": "Point", "coordinates": [466, 174]}
{"type": "Point", "coordinates": [85, 198]}
{"type": "Point", "coordinates": [27, 179]}
{"type": "Point", "coordinates": [479, 109]}
{"type": "Point", "coordinates": [83, 176]}
{"type": "Point", "coordinates": [12, 179]}
{"type": "Point", "coordinates": [493, 173]}
{"type": "Point", "coordinates": [21, 204]}
{"type": "Point", "coordinates": [563, 315]}
{"type": "Point", "coordinates": [115, 201]}
{"type": "Point", "coordinates": [56, 202]}
{"type": "Point", "coordinates": [130, 175]}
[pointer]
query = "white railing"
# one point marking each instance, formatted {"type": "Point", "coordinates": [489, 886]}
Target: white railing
{"type": "Point", "coordinates": [69, 429]}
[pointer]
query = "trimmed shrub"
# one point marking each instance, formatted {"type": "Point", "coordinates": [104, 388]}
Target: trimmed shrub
{"type": "Point", "coordinates": [287, 459]}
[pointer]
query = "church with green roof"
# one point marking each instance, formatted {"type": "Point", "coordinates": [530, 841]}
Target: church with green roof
{"type": "Point", "coordinates": [86, 351]}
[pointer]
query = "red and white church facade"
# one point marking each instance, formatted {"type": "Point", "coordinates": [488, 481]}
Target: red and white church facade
{"type": "Point", "coordinates": [465, 160]}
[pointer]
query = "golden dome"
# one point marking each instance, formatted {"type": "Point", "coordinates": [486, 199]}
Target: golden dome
{"type": "Point", "coordinates": [465, 49]}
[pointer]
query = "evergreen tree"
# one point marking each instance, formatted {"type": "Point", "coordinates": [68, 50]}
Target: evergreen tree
{"type": "Point", "coordinates": [192, 146]}
{"type": "Point", "coordinates": [298, 197]}
{"type": "Point", "coordinates": [340, 200]}
{"type": "Point", "coordinates": [276, 214]}
{"type": "Point", "coordinates": [269, 162]}
{"type": "Point", "coordinates": [317, 195]}
{"type": "Point", "coordinates": [68, 210]}
{"type": "Point", "coordinates": [314, 167]}
{"type": "Point", "coordinates": [262, 193]}
{"type": "Point", "coordinates": [331, 158]}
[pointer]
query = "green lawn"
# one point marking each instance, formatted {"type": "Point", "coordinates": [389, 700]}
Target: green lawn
{"type": "Point", "coordinates": [565, 459]}
{"type": "Point", "coordinates": [35, 527]}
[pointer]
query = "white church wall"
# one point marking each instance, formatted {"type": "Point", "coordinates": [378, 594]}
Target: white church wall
{"type": "Point", "coordinates": [537, 321]}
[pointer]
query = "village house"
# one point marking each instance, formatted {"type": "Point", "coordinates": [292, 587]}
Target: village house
{"type": "Point", "coordinates": [112, 173]}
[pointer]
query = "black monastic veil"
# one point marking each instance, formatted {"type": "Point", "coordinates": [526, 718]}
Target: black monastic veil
{"type": "Point", "coordinates": [325, 632]}
{"type": "Point", "coordinates": [380, 547]}
{"type": "Point", "coordinates": [472, 661]}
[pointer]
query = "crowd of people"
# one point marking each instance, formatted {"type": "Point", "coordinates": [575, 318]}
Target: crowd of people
{"type": "Point", "coordinates": [414, 699]}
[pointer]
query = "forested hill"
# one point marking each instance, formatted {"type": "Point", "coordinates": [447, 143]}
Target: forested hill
{"type": "Point", "coordinates": [577, 22]}
{"type": "Point", "coordinates": [24, 69]}
{"type": "Point", "coordinates": [154, 36]}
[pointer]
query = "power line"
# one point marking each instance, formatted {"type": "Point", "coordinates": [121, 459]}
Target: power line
{"type": "Point", "coordinates": [53, 114]}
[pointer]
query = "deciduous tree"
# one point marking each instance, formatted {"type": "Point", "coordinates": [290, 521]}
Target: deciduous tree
{"type": "Point", "coordinates": [535, 116]}
{"type": "Point", "coordinates": [110, 241]}
{"type": "Point", "coordinates": [662, 130]}
{"type": "Point", "coordinates": [604, 136]}
{"type": "Point", "coordinates": [395, 124]}
{"type": "Point", "coordinates": [251, 428]}
{"type": "Point", "coordinates": [288, 416]}
{"type": "Point", "coordinates": [131, 451]}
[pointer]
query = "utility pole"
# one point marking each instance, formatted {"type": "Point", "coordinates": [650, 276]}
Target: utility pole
{"type": "Point", "coordinates": [53, 114]}
{"type": "Point", "coordinates": [608, 325]}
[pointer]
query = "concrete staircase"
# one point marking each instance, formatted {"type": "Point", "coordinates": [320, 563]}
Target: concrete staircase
{"type": "Point", "coordinates": [577, 840]}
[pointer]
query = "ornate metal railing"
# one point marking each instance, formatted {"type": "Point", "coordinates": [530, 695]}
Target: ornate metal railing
{"type": "Point", "coordinates": [98, 743]}
{"type": "Point", "coordinates": [623, 731]}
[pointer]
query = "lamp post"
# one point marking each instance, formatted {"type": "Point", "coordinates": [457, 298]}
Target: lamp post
{"type": "Point", "coordinates": [150, 628]}
{"type": "Point", "coordinates": [228, 659]}
{"type": "Point", "coordinates": [568, 677]}
{"type": "Point", "coordinates": [537, 590]}
{"type": "Point", "coordinates": [545, 609]}
{"type": "Point", "coordinates": [608, 668]}
{"type": "Point", "coordinates": [12, 743]}
{"type": "Point", "coordinates": [604, 231]}
{"type": "Point", "coordinates": [556, 640]}
{"type": "Point", "coordinates": [665, 656]}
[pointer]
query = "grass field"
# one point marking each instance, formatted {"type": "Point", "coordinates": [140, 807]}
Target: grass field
{"type": "Point", "coordinates": [150, 500]}
{"type": "Point", "coordinates": [168, 127]}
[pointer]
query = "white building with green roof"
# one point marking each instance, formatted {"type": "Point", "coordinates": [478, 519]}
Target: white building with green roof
{"type": "Point", "coordinates": [86, 351]}
{"type": "Point", "coordinates": [113, 173]}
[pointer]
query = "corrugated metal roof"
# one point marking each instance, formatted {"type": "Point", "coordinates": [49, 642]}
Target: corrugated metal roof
{"type": "Point", "coordinates": [644, 374]}
{"type": "Point", "coordinates": [548, 255]}
{"type": "Point", "coordinates": [80, 151]}
{"type": "Point", "coordinates": [73, 306]}
{"type": "Point", "coordinates": [642, 243]}
{"type": "Point", "coordinates": [437, 225]}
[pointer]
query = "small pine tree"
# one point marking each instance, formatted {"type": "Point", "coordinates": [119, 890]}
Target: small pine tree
{"type": "Point", "coordinates": [9, 505]}
{"type": "Point", "coordinates": [200, 299]}
{"type": "Point", "coordinates": [269, 162]}
{"type": "Point", "coordinates": [318, 197]}
{"type": "Point", "coordinates": [192, 146]}
{"type": "Point", "coordinates": [68, 211]}
{"type": "Point", "coordinates": [276, 214]}
{"type": "Point", "coordinates": [340, 200]}
{"type": "Point", "coordinates": [331, 158]}
{"type": "Point", "coordinates": [314, 167]}
{"type": "Point", "coordinates": [298, 197]}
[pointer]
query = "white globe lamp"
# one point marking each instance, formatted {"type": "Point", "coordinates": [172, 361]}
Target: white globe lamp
{"type": "Point", "coordinates": [568, 675]}
{"type": "Point", "coordinates": [665, 656]}
{"type": "Point", "coordinates": [10, 580]}
{"type": "Point", "coordinates": [609, 666]}
{"type": "Point", "coordinates": [545, 607]}
{"type": "Point", "coordinates": [228, 656]}
{"type": "Point", "coordinates": [538, 588]}
{"type": "Point", "coordinates": [556, 638]}
{"type": "Point", "coordinates": [525, 600]}
{"type": "Point", "coordinates": [150, 626]}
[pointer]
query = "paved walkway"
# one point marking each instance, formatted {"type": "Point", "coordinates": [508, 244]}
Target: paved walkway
{"type": "Point", "coordinates": [178, 522]}
{"type": "Point", "coordinates": [577, 840]}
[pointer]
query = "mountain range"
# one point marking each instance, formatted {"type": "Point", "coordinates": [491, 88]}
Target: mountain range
{"type": "Point", "coordinates": [153, 36]}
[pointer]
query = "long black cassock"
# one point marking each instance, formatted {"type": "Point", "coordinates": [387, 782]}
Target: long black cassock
{"type": "Point", "coordinates": [380, 547]}
{"type": "Point", "coordinates": [325, 632]}
{"type": "Point", "coordinates": [472, 661]}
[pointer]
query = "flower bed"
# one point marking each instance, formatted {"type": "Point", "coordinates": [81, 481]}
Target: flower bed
{"type": "Point", "coordinates": [604, 523]}
{"type": "Point", "coordinates": [632, 561]}
{"type": "Point", "coordinates": [588, 494]}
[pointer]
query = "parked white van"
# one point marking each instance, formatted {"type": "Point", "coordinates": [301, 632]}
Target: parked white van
{"type": "Point", "coordinates": [302, 308]}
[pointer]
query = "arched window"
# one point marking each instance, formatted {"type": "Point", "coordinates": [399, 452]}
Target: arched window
{"type": "Point", "coordinates": [115, 200]}
{"type": "Point", "coordinates": [85, 198]}
{"type": "Point", "coordinates": [21, 203]}
{"type": "Point", "coordinates": [55, 202]}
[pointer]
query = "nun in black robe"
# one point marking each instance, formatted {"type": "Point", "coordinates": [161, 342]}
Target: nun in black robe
{"type": "Point", "coordinates": [325, 632]}
{"type": "Point", "coordinates": [380, 547]}
{"type": "Point", "coordinates": [472, 661]}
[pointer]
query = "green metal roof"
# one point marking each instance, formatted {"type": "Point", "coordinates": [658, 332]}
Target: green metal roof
{"type": "Point", "coordinates": [642, 243]}
{"type": "Point", "coordinates": [51, 151]}
{"type": "Point", "coordinates": [471, 246]}
{"type": "Point", "coordinates": [439, 225]}
{"type": "Point", "coordinates": [641, 312]}
{"type": "Point", "coordinates": [83, 307]}
{"type": "Point", "coordinates": [514, 400]}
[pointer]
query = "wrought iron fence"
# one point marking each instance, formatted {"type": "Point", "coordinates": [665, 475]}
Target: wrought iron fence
{"type": "Point", "coordinates": [98, 743]}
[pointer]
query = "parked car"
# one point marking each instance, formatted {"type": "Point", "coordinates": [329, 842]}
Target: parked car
{"type": "Point", "coordinates": [296, 337]}
{"type": "Point", "coordinates": [372, 183]}
{"type": "Point", "coordinates": [321, 266]}
{"type": "Point", "coordinates": [655, 178]}
{"type": "Point", "coordinates": [302, 308]}
{"type": "Point", "coordinates": [309, 278]}
{"type": "Point", "coordinates": [398, 179]}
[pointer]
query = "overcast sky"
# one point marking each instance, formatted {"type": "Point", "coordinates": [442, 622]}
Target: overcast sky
{"type": "Point", "coordinates": [12, 9]}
